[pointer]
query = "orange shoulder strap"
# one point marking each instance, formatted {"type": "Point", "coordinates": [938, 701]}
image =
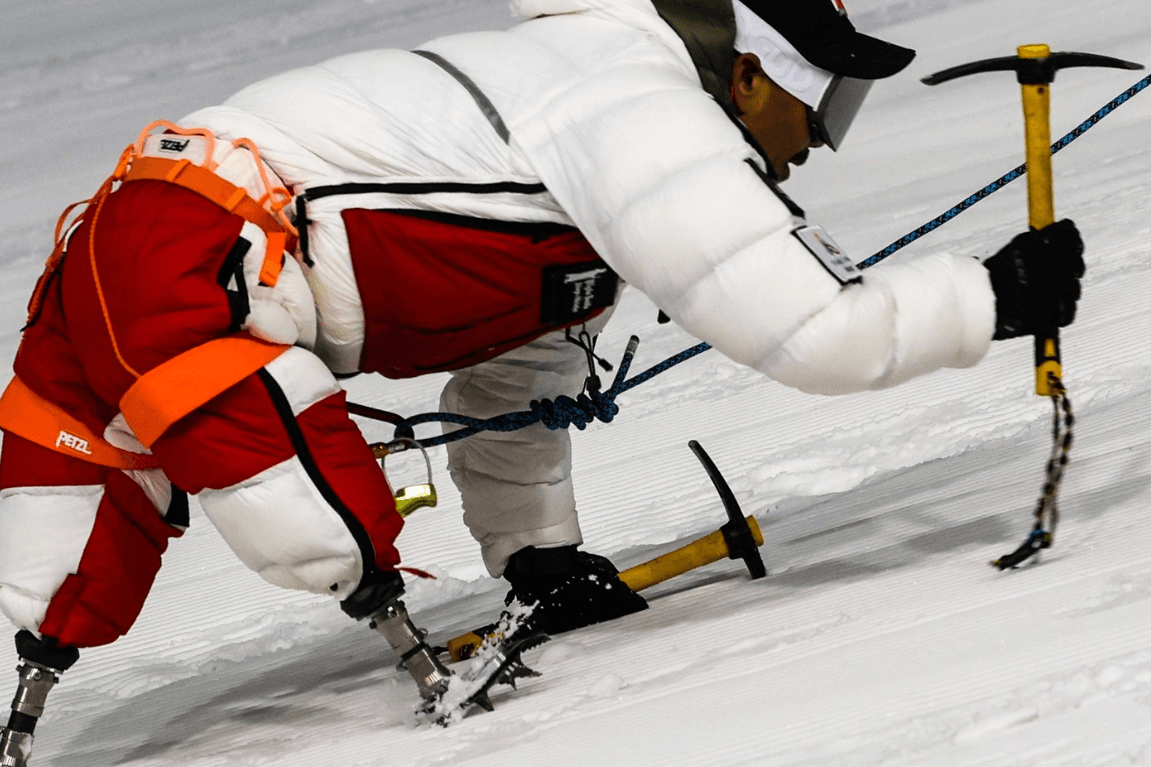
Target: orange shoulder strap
{"type": "Point", "coordinates": [174, 389]}
{"type": "Point", "coordinates": [32, 417]}
{"type": "Point", "coordinates": [228, 196]}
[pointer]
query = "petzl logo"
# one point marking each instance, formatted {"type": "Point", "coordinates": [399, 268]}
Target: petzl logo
{"type": "Point", "coordinates": [174, 144]}
{"type": "Point", "coordinates": [840, 7]}
{"type": "Point", "coordinates": [72, 442]}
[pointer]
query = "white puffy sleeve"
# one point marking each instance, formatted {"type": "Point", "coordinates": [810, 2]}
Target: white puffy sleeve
{"type": "Point", "coordinates": [662, 183]}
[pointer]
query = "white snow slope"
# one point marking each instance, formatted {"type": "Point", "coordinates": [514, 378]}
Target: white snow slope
{"type": "Point", "coordinates": [880, 636]}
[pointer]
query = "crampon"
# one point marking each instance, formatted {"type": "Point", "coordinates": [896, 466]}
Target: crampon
{"type": "Point", "coordinates": [497, 661]}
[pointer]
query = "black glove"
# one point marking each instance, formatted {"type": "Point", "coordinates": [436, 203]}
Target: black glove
{"type": "Point", "coordinates": [1036, 280]}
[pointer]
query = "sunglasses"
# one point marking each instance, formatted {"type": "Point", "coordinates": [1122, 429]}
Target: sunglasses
{"type": "Point", "coordinates": [837, 109]}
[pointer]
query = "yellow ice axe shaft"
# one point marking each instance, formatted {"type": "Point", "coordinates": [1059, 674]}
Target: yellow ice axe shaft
{"type": "Point", "coordinates": [1035, 67]}
{"type": "Point", "coordinates": [704, 551]}
{"type": "Point", "coordinates": [1040, 201]}
{"type": "Point", "coordinates": [1037, 131]}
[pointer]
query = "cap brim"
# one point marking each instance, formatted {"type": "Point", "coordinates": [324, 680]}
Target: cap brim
{"type": "Point", "coordinates": [860, 56]}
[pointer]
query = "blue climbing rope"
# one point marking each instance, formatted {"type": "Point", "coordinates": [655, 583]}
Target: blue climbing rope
{"type": "Point", "coordinates": [560, 413]}
{"type": "Point", "coordinates": [1005, 179]}
{"type": "Point", "coordinates": [564, 412]}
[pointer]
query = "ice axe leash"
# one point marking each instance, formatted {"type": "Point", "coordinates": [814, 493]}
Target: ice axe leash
{"type": "Point", "coordinates": [740, 538]}
{"type": "Point", "coordinates": [1035, 67]}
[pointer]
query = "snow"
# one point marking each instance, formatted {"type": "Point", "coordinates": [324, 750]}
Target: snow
{"type": "Point", "coordinates": [880, 636]}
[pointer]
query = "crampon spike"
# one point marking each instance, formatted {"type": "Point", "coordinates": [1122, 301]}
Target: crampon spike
{"type": "Point", "coordinates": [496, 662]}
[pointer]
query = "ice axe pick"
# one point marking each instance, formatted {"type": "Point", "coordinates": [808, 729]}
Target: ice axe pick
{"type": "Point", "coordinates": [740, 538]}
{"type": "Point", "coordinates": [1035, 67]}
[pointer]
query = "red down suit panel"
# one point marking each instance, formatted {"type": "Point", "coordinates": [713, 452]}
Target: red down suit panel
{"type": "Point", "coordinates": [281, 470]}
{"type": "Point", "coordinates": [443, 292]}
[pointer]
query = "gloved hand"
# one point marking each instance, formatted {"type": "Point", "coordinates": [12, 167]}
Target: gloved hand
{"type": "Point", "coordinates": [1036, 280]}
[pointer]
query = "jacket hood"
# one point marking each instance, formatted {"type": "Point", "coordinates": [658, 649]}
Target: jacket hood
{"type": "Point", "coordinates": [702, 31]}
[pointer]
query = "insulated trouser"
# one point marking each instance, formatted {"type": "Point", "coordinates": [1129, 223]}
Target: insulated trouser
{"type": "Point", "coordinates": [279, 467]}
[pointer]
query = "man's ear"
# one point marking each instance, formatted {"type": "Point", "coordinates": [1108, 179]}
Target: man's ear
{"type": "Point", "coordinates": [745, 74]}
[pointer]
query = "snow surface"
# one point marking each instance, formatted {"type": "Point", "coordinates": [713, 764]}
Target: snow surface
{"type": "Point", "coordinates": [880, 637]}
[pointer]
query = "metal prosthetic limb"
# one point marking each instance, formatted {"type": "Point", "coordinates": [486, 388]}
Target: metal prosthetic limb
{"type": "Point", "coordinates": [41, 663]}
{"type": "Point", "coordinates": [447, 697]}
{"type": "Point", "coordinates": [378, 599]}
{"type": "Point", "coordinates": [416, 656]}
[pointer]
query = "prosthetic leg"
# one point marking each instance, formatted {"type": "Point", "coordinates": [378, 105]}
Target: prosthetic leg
{"type": "Point", "coordinates": [447, 698]}
{"type": "Point", "coordinates": [42, 662]}
{"type": "Point", "coordinates": [378, 599]}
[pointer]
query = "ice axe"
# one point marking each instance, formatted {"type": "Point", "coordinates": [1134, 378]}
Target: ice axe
{"type": "Point", "coordinates": [1035, 67]}
{"type": "Point", "coordinates": [740, 538]}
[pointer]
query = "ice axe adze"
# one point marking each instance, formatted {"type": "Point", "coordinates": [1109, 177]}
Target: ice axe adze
{"type": "Point", "coordinates": [1035, 68]}
{"type": "Point", "coordinates": [740, 538]}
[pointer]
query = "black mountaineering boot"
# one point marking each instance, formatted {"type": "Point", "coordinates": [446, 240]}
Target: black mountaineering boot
{"type": "Point", "coordinates": [569, 588]}
{"type": "Point", "coordinates": [378, 598]}
{"type": "Point", "coordinates": [41, 661]}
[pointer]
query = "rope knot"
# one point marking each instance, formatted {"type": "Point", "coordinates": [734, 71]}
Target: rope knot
{"type": "Point", "coordinates": [564, 411]}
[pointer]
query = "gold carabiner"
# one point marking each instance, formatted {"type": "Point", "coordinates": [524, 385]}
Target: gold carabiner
{"type": "Point", "coordinates": [413, 497]}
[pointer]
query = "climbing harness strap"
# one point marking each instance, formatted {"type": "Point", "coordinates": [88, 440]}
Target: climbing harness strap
{"type": "Point", "coordinates": [268, 212]}
{"type": "Point", "coordinates": [157, 400]}
{"type": "Point", "coordinates": [172, 390]}
{"type": "Point", "coordinates": [231, 198]}
{"type": "Point", "coordinates": [25, 413]}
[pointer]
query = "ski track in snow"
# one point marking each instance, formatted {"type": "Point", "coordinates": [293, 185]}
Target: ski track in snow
{"type": "Point", "coordinates": [880, 636]}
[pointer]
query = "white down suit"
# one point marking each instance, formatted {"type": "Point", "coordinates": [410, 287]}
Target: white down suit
{"type": "Point", "coordinates": [589, 113]}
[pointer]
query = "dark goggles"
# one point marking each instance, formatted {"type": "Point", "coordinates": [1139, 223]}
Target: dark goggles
{"type": "Point", "coordinates": [837, 110]}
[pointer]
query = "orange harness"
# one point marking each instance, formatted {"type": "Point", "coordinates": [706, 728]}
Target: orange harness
{"type": "Point", "coordinates": [174, 389]}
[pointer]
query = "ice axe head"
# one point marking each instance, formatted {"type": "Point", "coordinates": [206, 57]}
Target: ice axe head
{"type": "Point", "coordinates": [737, 532]}
{"type": "Point", "coordinates": [1035, 65]}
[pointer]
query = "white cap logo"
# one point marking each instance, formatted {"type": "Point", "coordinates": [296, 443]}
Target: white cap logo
{"type": "Point", "coordinates": [779, 58]}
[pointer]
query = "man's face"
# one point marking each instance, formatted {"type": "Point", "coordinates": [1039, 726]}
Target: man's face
{"type": "Point", "coordinates": [777, 120]}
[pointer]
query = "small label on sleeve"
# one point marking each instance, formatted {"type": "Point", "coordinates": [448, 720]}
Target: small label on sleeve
{"type": "Point", "coordinates": [819, 242]}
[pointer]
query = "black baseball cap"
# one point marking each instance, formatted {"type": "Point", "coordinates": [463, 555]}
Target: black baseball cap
{"type": "Point", "coordinates": [822, 33]}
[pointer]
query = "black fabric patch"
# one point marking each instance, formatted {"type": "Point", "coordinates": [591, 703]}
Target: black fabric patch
{"type": "Point", "coordinates": [233, 268]}
{"type": "Point", "coordinates": [571, 292]}
{"type": "Point", "coordinates": [177, 514]}
{"type": "Point", "coordinates": [412, 187]}
{"type": "Point", "coordinates": [774, 187]}
{"type": "Point", "coordinates": [301, 222]}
